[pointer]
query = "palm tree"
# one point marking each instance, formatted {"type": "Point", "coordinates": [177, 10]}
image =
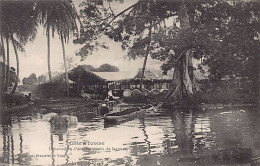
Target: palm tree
{"type": "Point", "coordinates": [18, 20]}
{"type": "Point", "coordinates": [58, 16]}
{"type": "Point", "coordinates": [4, 60]}
{"type": "Point", "coordinates": [44, 9]}
{"type": "Point", "coordinates": [17, 65]}
{"type": "Point", "coordinates": [4, 28]}
{"type": "Point", "coordinates": [68, 25]}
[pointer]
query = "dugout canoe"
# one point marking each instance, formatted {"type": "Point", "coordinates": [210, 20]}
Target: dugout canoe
{"type": "Point", "coordinates": [125, 115]}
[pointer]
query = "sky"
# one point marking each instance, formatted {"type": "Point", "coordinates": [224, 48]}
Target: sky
{"type": "Point", "coordinates": [34, 60]}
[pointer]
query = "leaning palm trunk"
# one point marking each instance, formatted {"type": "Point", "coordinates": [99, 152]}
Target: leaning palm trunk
{"type": "Point", "coordinates": [183, 77]}
{"type": "Point", "coordinates": [4, 60]}
{"type": "Point", "coordinates": [17, 66]}
{"type": "Point", "coordinates": [48, 54]}
{"type": "Point", "coordinates": [8, 65]}
{"type": "Point", "coordinates": [65, 66]}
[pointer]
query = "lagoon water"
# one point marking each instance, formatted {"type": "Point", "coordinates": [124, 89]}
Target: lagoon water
{"type": "Point", "coordinates": [229, 136]}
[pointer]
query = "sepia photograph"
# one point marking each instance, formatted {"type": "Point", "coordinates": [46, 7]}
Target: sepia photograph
{"type": "Point", "coordinates": [130, 82]}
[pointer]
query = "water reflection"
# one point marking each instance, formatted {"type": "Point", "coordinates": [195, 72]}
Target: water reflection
{"type": "Point", "coordinates": [184, 137]}
{"type": "Point", "coordinates": [146, 139]}
{"type": "Point", "coordinates": [183, 128]}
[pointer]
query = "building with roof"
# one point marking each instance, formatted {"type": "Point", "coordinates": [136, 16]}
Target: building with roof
{"type": "Point", "coordinates": [81, 79]}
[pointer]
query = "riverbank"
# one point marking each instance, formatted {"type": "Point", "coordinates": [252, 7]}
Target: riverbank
{"type": "Point", "coordinates": [66, 104]}
{"type": "Point", "coordinates": [80, 105]}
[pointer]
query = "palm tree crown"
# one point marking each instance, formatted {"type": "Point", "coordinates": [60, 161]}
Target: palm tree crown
{"type": "Point", "coordinates": [58, 16]}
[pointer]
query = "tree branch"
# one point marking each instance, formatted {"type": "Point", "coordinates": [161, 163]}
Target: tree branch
{"type": "Point", "coordinates": [121, 13]}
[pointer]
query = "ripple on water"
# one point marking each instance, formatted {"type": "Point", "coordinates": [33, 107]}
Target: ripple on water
{"type": "Point", "coordinates": [147, 141]}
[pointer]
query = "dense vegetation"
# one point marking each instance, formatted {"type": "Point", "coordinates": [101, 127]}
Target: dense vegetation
{"type": "Point", "coordinates": [19, 25]}
{"type": "Point", "coordinates": [223, 35]}
{"type": "Point", "coordinates": [102, 68]}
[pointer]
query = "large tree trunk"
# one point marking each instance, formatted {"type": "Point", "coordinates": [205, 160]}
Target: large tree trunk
{"type": "Point", "coordinates": [184, 81]}
{"type": "Point", "coordinates": [65, 65]}
{"type": "Point", "coordinates": [17, 66]}
{"type": "Point", "coordinates": [146, 56]}
{"type": "Point", "coordinates": [48, 54]}
{"type": "Point", "coordinates": [8, 65]}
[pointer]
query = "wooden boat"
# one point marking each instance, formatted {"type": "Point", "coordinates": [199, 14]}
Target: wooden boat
{"type": "Point", "coordinates": [124, 116]}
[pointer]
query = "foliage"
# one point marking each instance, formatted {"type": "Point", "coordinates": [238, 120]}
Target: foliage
{"type": "Point", "coordinates": [19, 25]}
{"type": "Point", "coordinates": [107, 68]}
{"type": "Point", "coordinates": [102, 68]}
{"type": "Point", "coordinates": [48, 90]}
{"type": "Point", "coordinates": [2, 76]}
{"type": "Point", "coordinates": [69, 63]}
{"type": "Point", "coordinates": [235, 91]}
{"type": "Point", "coordinates": [60, 16]}
{"type": "Point", "coordinates": [224, 35]}
{"type": "Point", "coordinates": [11, 71]}
{"type": "Point", "coordinates": [31, 80]}
{"type": "Point", "coordinates": [238, 49]}
{"type": "Point", "coordinates": [18, 18]}
{"type": "Point", "coordinates": [92, 14]}
{"type": "Point", "coordinates": [41, 79]}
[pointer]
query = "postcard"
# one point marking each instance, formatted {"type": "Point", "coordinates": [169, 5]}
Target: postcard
{"type": "Point", "coordinates": [129, 82]}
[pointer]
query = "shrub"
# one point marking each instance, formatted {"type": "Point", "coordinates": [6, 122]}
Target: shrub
{"type": "Point", "coordinates": [48, 90]}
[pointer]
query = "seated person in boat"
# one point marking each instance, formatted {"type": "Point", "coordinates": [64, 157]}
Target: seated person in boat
{"type": "Point", "coordinates": [104, 109]}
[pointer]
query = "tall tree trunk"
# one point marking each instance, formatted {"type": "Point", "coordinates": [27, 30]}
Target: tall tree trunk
{"type": "Point", "coordinates": [143, 70]}
{"type": "Point", "coordinates": [164, 26]}
{"type": "Point", "coordinates": [65, 65]}
{"type": "Point", "coordinates": [146, 56]}
{"type": "Point", "coordinates": [17, 66]}
{"type": "Point", "coordinates": [48, 53]}
{"type": "Point", "coordinates": [4, 60]}
{"type": "Point", "coordinates": [183, 76]}
{"type": "Point", "coordinates": [8, 65]}
{"type": "Point", "coordinates": [258, 59]}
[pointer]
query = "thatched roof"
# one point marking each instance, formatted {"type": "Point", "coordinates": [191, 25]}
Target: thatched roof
{"type": "Point", "coordinates": [116, 76]}
{"type": "Point", "coordinates": [81, 75]}
{"type": "Point", "coordinates": [149, 75]}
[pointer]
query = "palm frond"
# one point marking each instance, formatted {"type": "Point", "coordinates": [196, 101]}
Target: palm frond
{"type": "Point", "coordinates": [19, 46]}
